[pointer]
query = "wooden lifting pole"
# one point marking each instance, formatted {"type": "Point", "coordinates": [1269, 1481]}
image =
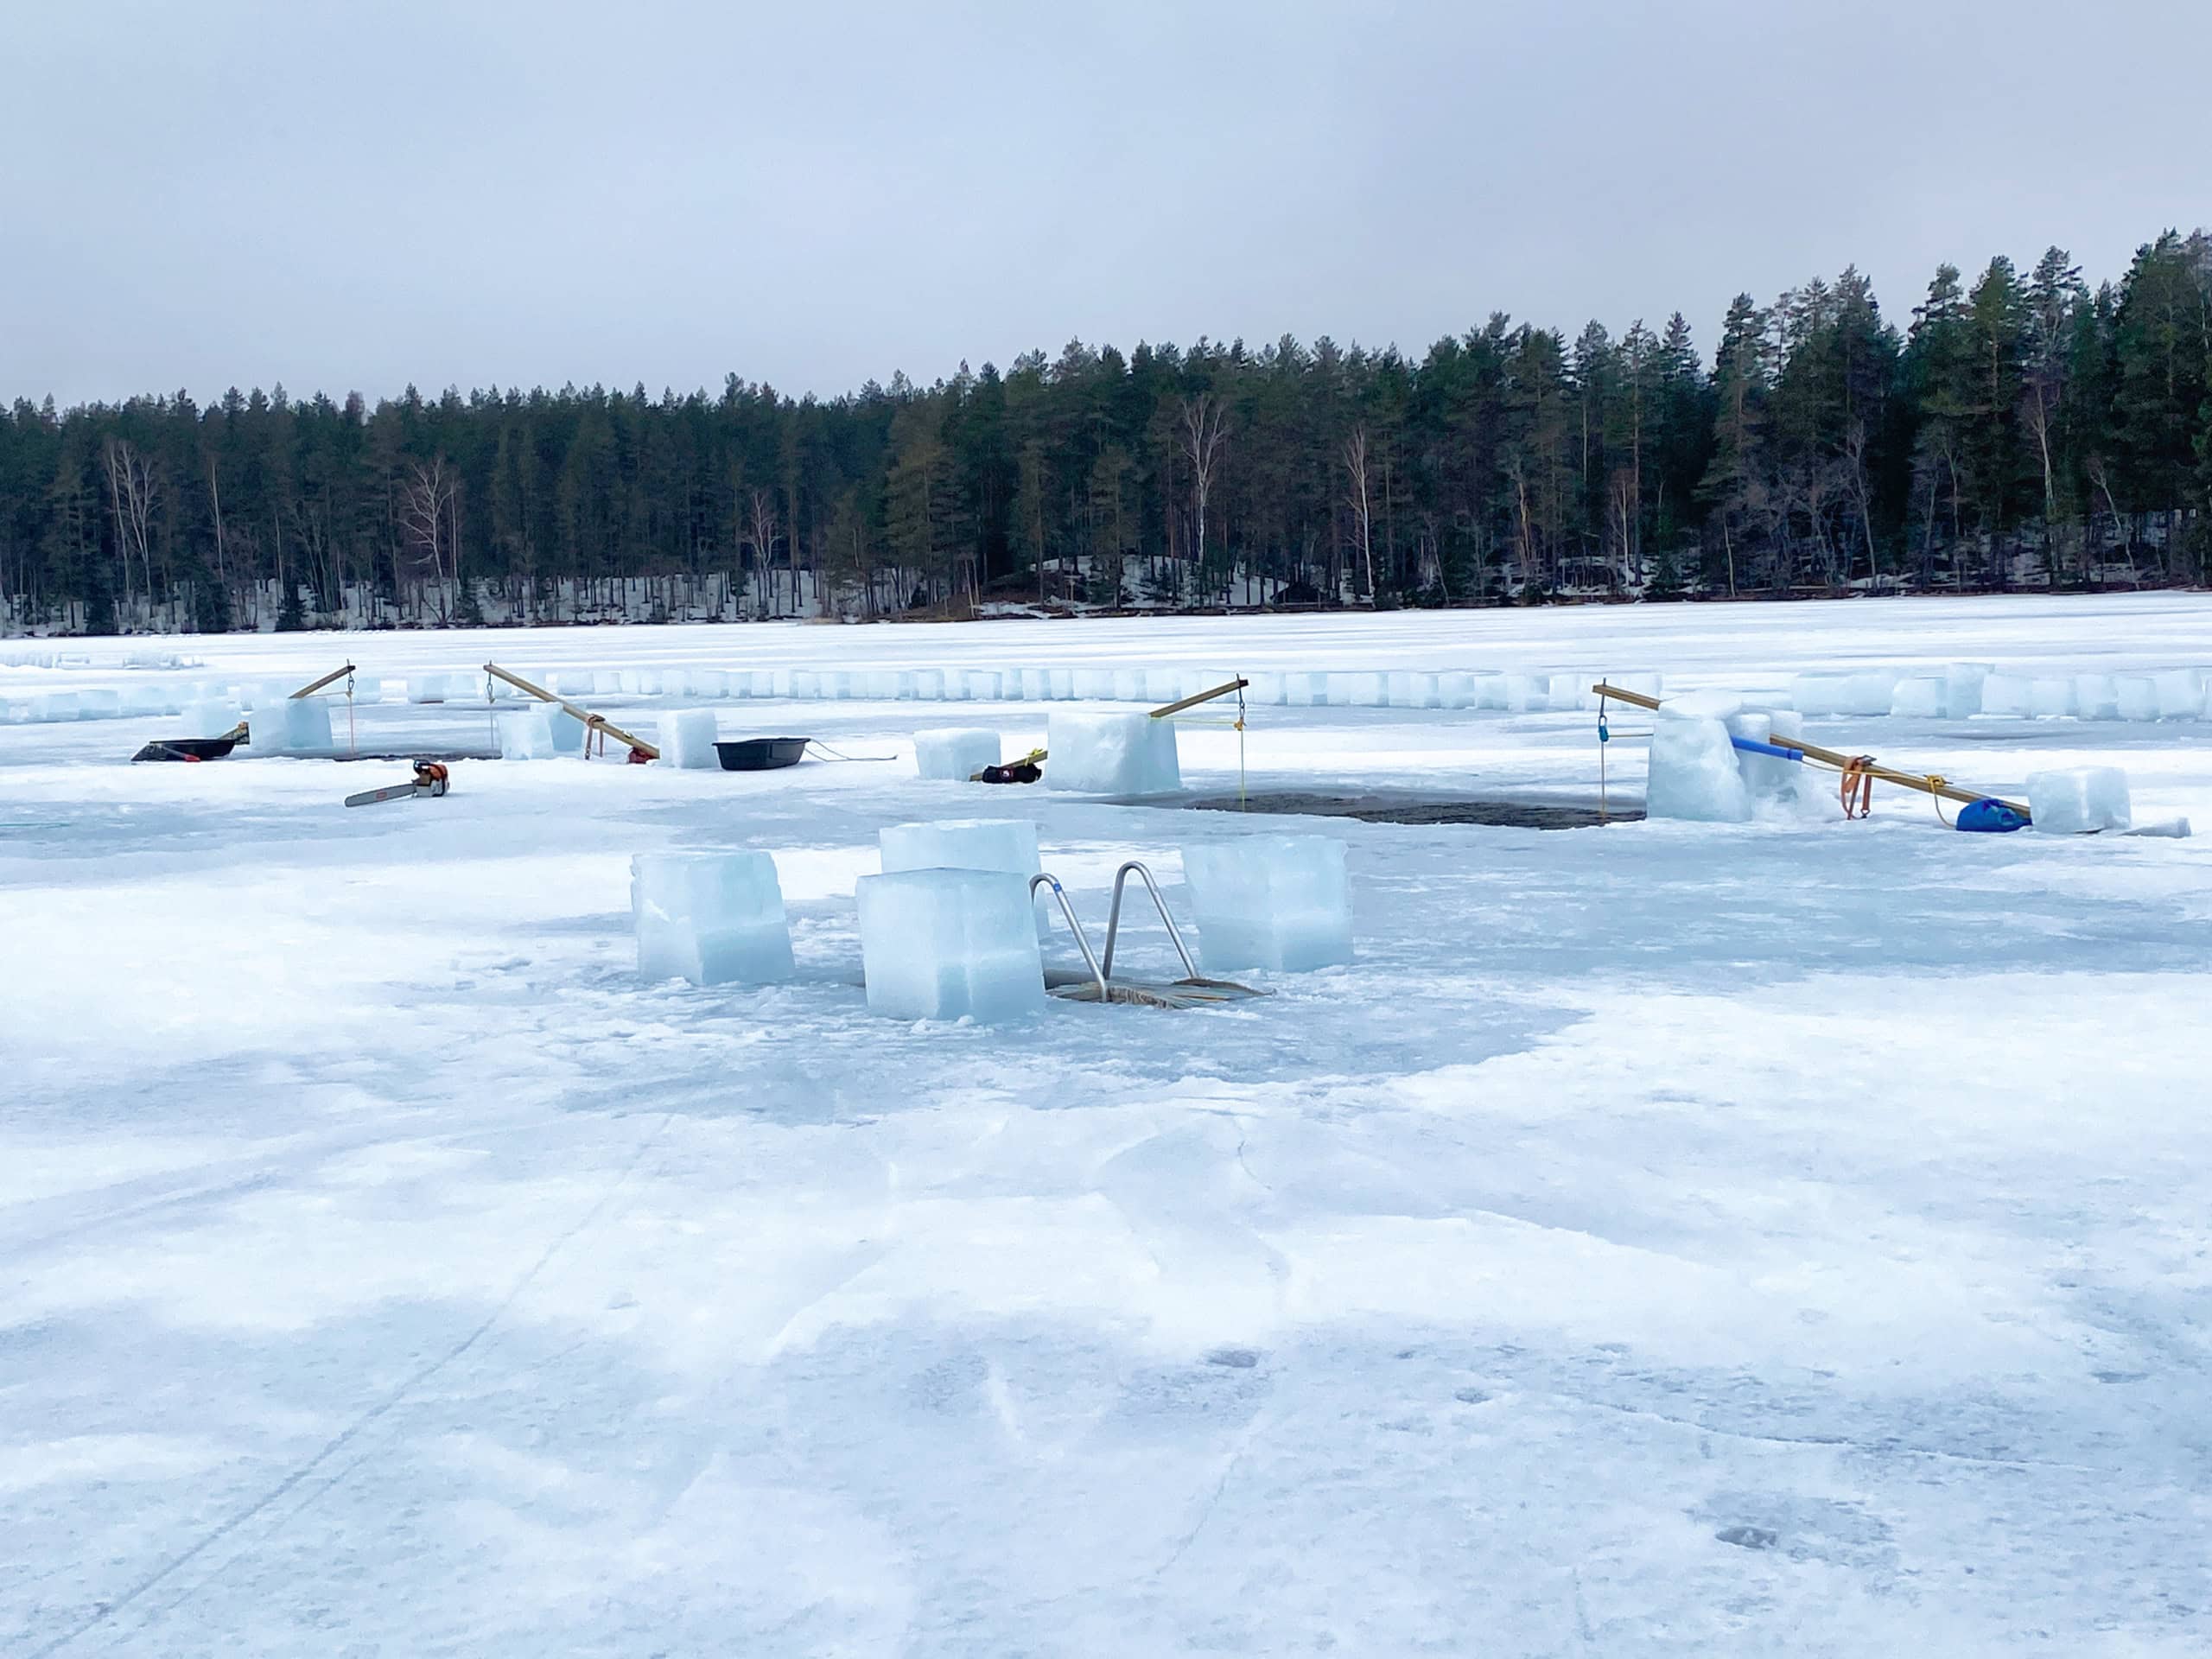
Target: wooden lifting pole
{"type": "Point", "coordinates": [314, 686]}
{"type": "Point", "coordinates": [1921, 781]}
{"type": "Point", "coordinates": [592, 722]}
{"type": "Point", "coordinates": [1193, 702]}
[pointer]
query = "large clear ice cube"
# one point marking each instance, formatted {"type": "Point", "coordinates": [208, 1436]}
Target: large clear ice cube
{"type": "Point", "coordinates": [1113, 753]}
{"type": "Point", "coordinates": [950, 945]}
{"type": "Point", "coordinates": [712, 919]}
{"type": "Point", "coordinates": [1281, 903]}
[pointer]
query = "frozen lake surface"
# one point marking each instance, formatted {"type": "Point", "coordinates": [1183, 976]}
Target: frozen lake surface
{"type": "Point", "coordinates": [1663, 1239]}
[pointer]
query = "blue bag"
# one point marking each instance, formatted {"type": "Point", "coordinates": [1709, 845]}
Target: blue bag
{"type": "Point", "coordinates": [1992, 817]}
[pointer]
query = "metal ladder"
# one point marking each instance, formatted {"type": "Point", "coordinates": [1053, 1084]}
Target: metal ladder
{"type": "Point", "coordinates": [1192, 990]}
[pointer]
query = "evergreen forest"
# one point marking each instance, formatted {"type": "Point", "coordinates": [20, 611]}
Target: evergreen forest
{"type": "Point", "coordinates": [2016, 429]}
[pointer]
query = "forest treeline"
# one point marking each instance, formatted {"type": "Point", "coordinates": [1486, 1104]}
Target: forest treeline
{"type": "Point", "coordinates": [2018, 428]}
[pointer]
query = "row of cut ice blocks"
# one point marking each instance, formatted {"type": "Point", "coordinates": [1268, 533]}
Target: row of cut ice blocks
{"type": "Point", "coordinates": [1511, 693]}
{"type": "Point", "coordinates": [1502, 690]}
{"type": "Point", "coordinates": [1959, 692]}
{"type": "Point", "coordinates": [1966, 690]}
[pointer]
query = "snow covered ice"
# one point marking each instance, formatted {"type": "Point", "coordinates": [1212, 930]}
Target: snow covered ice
{"type": "Point", "coordinates": [2078, 800]}
{"type": "Point", "coordinates": [951, 944]}
{"type": "Point", "coordinates": [955, 754]}
{"type": "Point", "coordinates": [714, 918]}
{"type": "Point", "coordinates": [391, 1267]}
{"type": "Point", "coordinates": [1276, 902]}
{"type": "Point", "coordinates": [1112, 754]}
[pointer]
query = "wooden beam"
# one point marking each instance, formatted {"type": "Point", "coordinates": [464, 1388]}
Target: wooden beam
{"type": "Point", "coordinates": [592, 722]}
{"type": "Point", "coordinates": [314, 686]}
{"type": "Point", "coordinates": [1839, 762]}
{"type": "Point", "coordinates": [1222, 690]}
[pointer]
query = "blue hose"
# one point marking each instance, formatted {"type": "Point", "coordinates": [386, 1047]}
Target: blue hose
{"type": "Point", "coordinates": [1753, 746]}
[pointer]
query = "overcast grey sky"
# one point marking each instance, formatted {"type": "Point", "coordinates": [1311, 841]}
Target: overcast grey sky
{"type": "Point", "coordinates": [204, 193]}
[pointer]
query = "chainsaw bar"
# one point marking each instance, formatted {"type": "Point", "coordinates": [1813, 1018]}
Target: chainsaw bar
{"type": "Point", "coordinates": [429, 783]}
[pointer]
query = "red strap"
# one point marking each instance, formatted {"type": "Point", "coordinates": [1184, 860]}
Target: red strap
{"type": "Point", "coordinates": [1858, 786]}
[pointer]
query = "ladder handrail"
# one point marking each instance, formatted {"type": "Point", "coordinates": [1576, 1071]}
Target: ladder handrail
{"type": "Point", "coordinates": [1082, 943]}
{"type": "Point", "coordinates": [1113, 920]}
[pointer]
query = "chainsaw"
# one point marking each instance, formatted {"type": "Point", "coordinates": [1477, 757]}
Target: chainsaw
{"type": "Point", "coordinates": [429, 783]}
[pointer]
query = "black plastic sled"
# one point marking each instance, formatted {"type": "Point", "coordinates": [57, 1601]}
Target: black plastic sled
{"type": "Point", "coordinates": [761, 754]}
{"type": "Point", "coordinates": [186, 748]}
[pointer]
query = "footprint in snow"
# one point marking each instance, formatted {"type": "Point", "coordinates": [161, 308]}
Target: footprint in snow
{"type": "Point", "coordinates": [1748, 1537]}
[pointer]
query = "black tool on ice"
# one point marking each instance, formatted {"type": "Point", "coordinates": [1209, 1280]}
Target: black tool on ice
{"type": "Point", "coordinates": [429, 782]}
{"type": "Point", "coordinates": [186, 748]}
{"type": "Point", "coordinates": [760, 753]}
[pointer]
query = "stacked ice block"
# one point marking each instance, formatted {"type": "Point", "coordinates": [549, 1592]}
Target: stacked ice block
{"type": "Point", "coordinates": [1008, 844]}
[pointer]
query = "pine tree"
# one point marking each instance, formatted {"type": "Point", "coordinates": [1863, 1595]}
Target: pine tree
{"type": "Point", "coordinates": [2054, 296]}
{"type": "Point", "coordinates": [1734, 479]}
{"type": "Point", "coordinates": [1939, 367]}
